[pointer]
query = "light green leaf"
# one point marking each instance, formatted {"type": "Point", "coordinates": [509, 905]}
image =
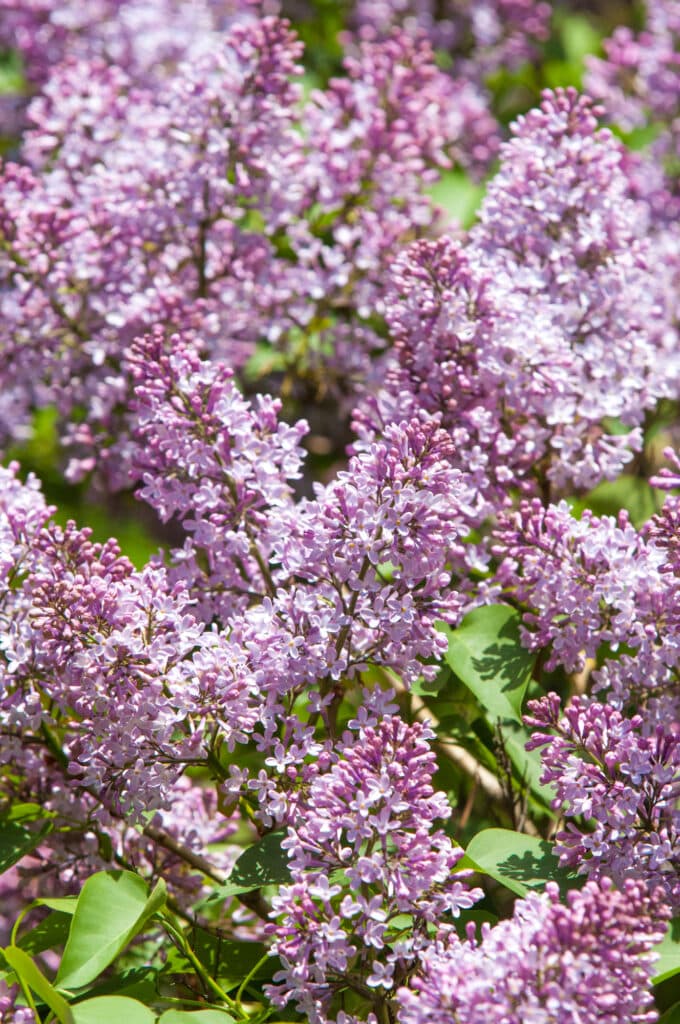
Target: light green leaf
{"type": "Point", "coordinates": [486, 654]}
{"type": "Point", "coordinates": [112, 908]}
{"type": "Point", "coordinates": [518, 861]}
{"type": "Point", "coordinates": [16, 842]}
{"type": "Point", "coordinates": [458, 196]}
{"type": "Point", "coordinates": [668, 950]}
{"type": "Point", "coordinates": [112, 1010]}
{"type": "Point", "coordinates": [33, 978]}
{"type": "Point", "coordinates": [195, 1017]}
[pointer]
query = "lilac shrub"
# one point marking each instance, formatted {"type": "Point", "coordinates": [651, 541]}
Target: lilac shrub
{"type": "Point", "coordinates": [221, 200]}
{"type": "Point", "coordinates": [182, 206]}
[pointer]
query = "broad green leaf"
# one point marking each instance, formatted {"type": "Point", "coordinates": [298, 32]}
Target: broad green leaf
{"type": "Point", "coordinates": [265, 863]}
{"type": "Point", "coordinates": [486, 654]}
{"type": "Point", "coordinates": [26, 812]}
{"type": "Point", "coordinates": [48, 934]}
{"type": "Point", "coordinates": [671, 1016]}
{"type": "Point", "coordinates": [139, 983]}
{"type": "Point", "coordinates": [34, 979]}
{"type": "Point", "coordinates": [668, 950]}
{"type": "Point", "coordinates": [112, 1010]}
{"type": "Point", "coordinates": [16, 842]}
{"type": "Point", "coordinates": [518, 861]}
{"type": "Point", "coordinates": [195, 1017]}
{"type": "Point", "coordinates": [112, 908]}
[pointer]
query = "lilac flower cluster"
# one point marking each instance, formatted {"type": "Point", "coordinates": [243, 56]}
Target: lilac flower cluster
{"type": "Point", "coordinates": [364, 858]}
{"type": "Point", "coordinates": [638, 80]}
{"type": "Point", "coordinates": [621, 775]}
{"type": "Point", "coordinates": [597, 589]}
{"type": "Point", "coordinates": [588, 960]}
{"type": "Point", "coordinates": [105, 673]}
{"type": "Point", "coordinates": [545, 324]}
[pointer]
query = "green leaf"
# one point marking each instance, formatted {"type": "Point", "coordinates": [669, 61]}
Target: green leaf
{"type": "Point", "coordinates": [195, 1017]}
{"type": "Point", "coordinates": [518, 861]}
{"type": "Point", "coordinates": [486, 654]}
{"type": "Point", "coordinates": [16, 842]}
{"type": "Point", "coordinates": [627, 492]}
{"type": "Point", "coordinates": [668, 950]}
{"type": "Point", "coordinates": [527, 762]}
{"type": "Point", "coordinates": [265, 863]}
{"type": "Point", "coordinates": [48, 934]}
{"type": "Point", "coordinates": [112, 1010]}
{"type": "Point", "coordinates": [458, 196]}
{"type": "Point", "coordinates": [34, 979]}
{"type": "Point", "coordinates": [139, 983]}
{"type": "Point", "coordinates": [112, 908]}
{"type": "Point", "coordinates": [671, 1016]}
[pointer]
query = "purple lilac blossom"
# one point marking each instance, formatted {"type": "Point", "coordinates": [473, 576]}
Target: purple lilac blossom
{"type": "Point", "coordinates": [544, 324]}
{"type": "Point", "coordinates": [598, 589]}
{"type": "Point", "coordinates": [106, 674]}
{"type": "Point", "coordinates": [622, 776]}
{"type": "Point", "coordinates": [551, 963]}
{"type": "Point", "coordinates": [363, 854]}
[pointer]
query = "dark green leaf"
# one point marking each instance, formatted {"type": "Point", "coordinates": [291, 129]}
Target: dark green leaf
{"type": "Point", "coordinates": [265, 863]}
{"type": "Point", "coordinates": [48, 934]}
{"type": "Point", "coordinates": [195, 1017]}
{"type": "Point", "coordinates": [226, 959]}
{"type": "Point", "coordinates": [16, 842]}
{"type": "Point", "coordinates": [671, 1016]}
{"type": "Point", "coordinates": [112, 908]}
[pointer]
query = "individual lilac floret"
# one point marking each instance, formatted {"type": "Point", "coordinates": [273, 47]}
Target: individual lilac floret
{"type": "Point", "coordinates": [365, 856]}
{"type": "Point", "coordinates": [588, 960]}
{"type": "Point", "coordinates": [622, 775]}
